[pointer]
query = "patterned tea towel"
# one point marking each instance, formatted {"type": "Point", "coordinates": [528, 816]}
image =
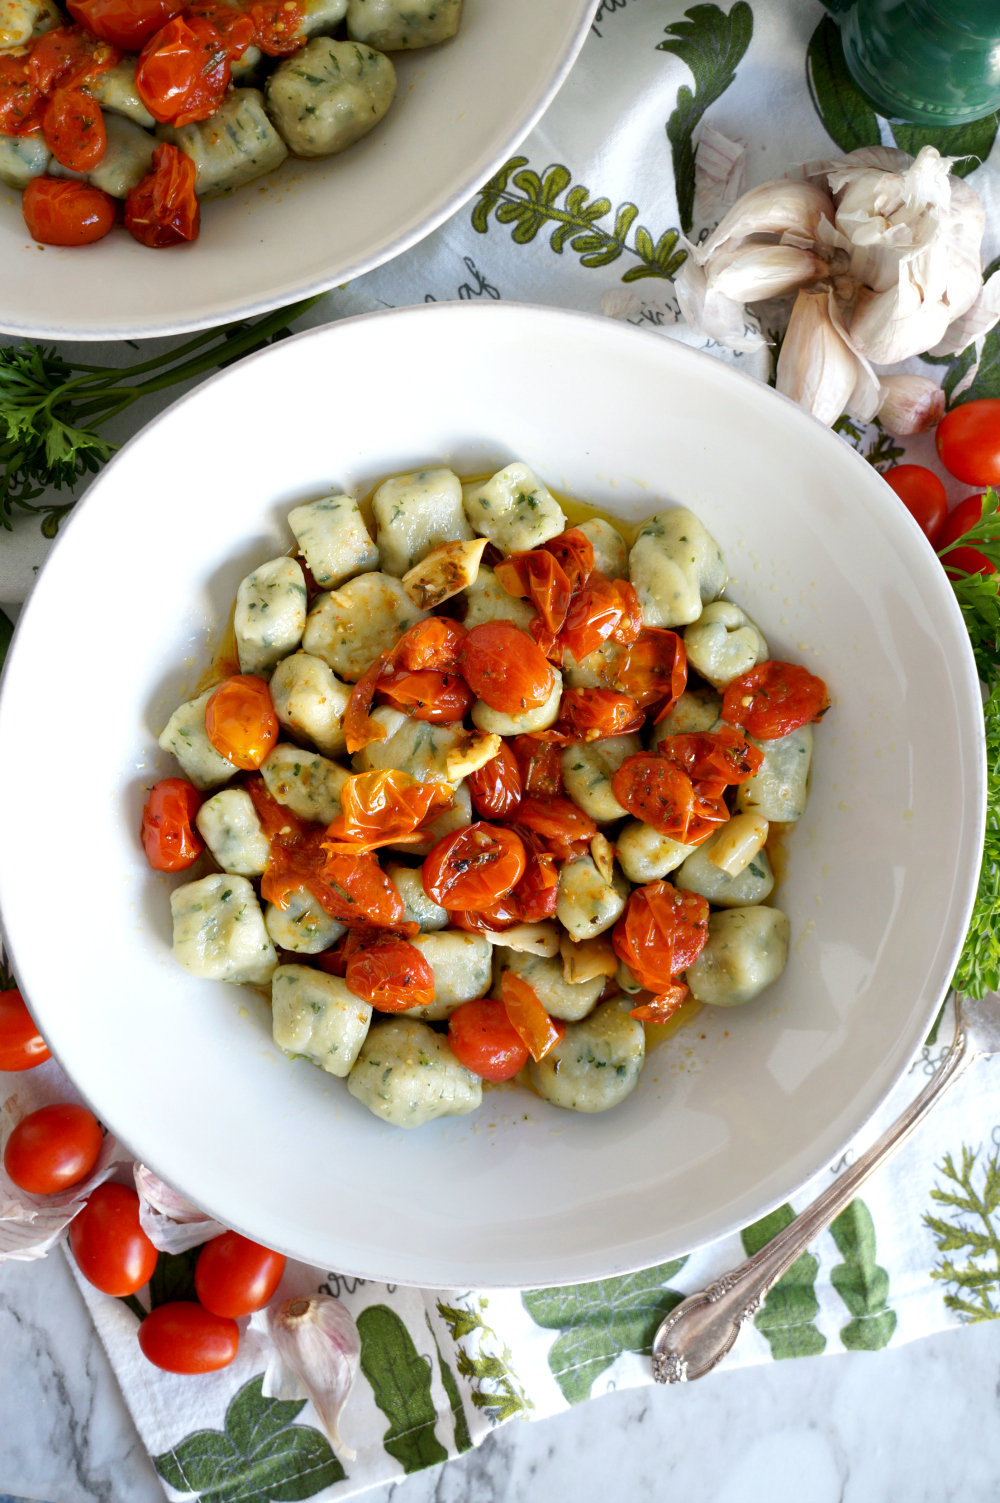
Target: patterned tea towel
{"type": "Point", "coordinates": [587, 215]}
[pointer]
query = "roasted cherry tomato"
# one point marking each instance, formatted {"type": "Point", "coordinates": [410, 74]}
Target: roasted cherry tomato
{"type": "Point", "coordinates": [968, 442]}
{"type": "Point", "coordinates": [713, 760]}
{"type": "Point", "coordinates": [240, 721]}
{"type": "Point", "coordinates": [483, 1039]}
{"type": "Point", "coordinates": [278, 26]}
{"type": "Point", "coordinates": [234, 1276]}
{"type": "Point", "coordinates": [238, 32]}
{"type": "Point", "coordinates": [540, 766]}
{"type": "Point", "coordinates": [557, 819]}
{"type": "Point", "coordinates": [535, 896]}
{"type": "Point", "coordinates": [471, 867]}
{"type": "Point", "coordinates": [183, 71]}
{"type": "Point", "coordinates": [652, 669]}
{"type": "Point", "coordinates": [495, 788]}
{"type": "Point", "coordinates": [594, 714]}
{"type": "Point", "coordinates": [603, 608]}
{"type": "Point", "coordinates": [505, 668]}
{"type": "Point", "coordinates": [661, 793]}
{"type": "Point", "coordinates": [110, 1247]}
{"type": "Point", "coordinates": [184, 1337]}
{"type": "Point", "coordinates": [540, 577]}
{"type": "Point", "coordinates": [923, 495]}
{"type": "Point", "coordinates": [128, 24]}
{"type": "Point", "coordinates": [163, 209]}
{"type": "Point", "coordinates": [660, 934]}
{"type": "Point", "coordinates": [662, 1008]}
{"type": "Point", "coordinates": [359, 727]}
{"type": "Point", "coordinates": [440, 698]}
{"type": "Point", "coordinates": [387, 971]}
{"type": "Point", "coordinates": [275, 819]}
{"type": "Point", "coordinates": [53, 1148]}
{"type": "Point", "coordinates": [59, 211]}
{"type": "Point", "coordinates": [74, 129]}
{"type": "Point", "coordinates": [774, 699]}
{"type": "Point", "coordinates": [168, 836]}
{"type": "Point", "coordinates": [380, 808]}
{"type": "Point", "coordinates": [967, 514]}
{"type": "Point", "coordinates": [434, 644]}
{"type": "Point", "coordinates": [352, 888]}
{"type": "Point", "coordinates": [575, 552]}
{"type": "Point", "coordinates": [21, 102]}
{"type": "Point", "coordinates": [21, 1045]}
{"type": "Point", "coordinates": [67, 57]}
{"type": "Point", "coordinates": [536, 1029]}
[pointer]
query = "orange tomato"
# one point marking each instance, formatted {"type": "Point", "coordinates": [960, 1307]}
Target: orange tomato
{"type": "Point", "coordinates": [653, 668]}
{"type": "Point", "coordinates": [59, 211]}
{"type": "Point", "coordinates": [469, 868]}
{"type": "Point", "coordinates": [661, 793]}
{"type": "Point", "coordinates": [359, 727]}
{"type": "Point", "coordinates": [379, 808]}
{"type": "Point", "coordinates": [432, 644]}
{"type": "Point", "coordinates": [593, 714]}
{"type": "Point", "coordinates": [275, 818]}
{"type": "Point", "coordinates": [505, 668]}
{"type": "Point", "coordinates": [440, 698]}
{"type": "Point", "coordinates": [660, 934]}
{"type": "Point", "coordinates": [183, 71]}
{"type": "Point", "coordinates": [483, 1039]}
{"type": "Point", "coordinates": [537, 1030]}
{"type": "Point", "coordinates": [162, 209]}
{"type": "Point", "coordinates": [495, 788]}
{"type": "Point", "coordinates": [240, 721]}
{"type": "Point", "coordinates": [387, 971]}
{"type": "Point", "coordinates": [662, 1008]}
{"type": "Point", "coordinates": [168, 837]}
{"type": "Point", "coordinates": [603, 608]}
{"type": "Point", "coordinates": [713, 760]}
{"type": "Point", "coordinates": [352, 888]}
{"type": "Point", "coordinates": [575, 553]}
{"type": "Point", "coordinates": [540, 576]}
{"type": "Point", "coordinates": [126, 23]}
{"type": "Point", "coordinates": [774, 699]}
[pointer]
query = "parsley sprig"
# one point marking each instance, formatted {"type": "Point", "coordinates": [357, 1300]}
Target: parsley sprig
{"type": "Point", "coordinates": [978, 595]}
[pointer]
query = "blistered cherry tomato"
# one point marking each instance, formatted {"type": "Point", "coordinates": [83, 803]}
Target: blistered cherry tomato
{"type": "Point", "coordinates": [388, 972]}
{"type": "Point", "coordinates": [432, 644]}
{"type": "Point", "coordinates": [440, 698]}
{"type": "Point", "coordinates": [774, 699]}
{"type": "Point", "coordinates": [59, 211]}
{"type": "Point", "coordinates": [538, 575]}
{"type": "Point", "coordinates": [505, 668]}
{"type": "Point", "coordinates": [557, 819]}
{"type": "Point", "coordinates": [68, 56]}
{"type": "Point", "coordinates": [352, 888]}
{"type": "Point", "coordinates": [240, 721]}
{"type": "Point", "coordinates": [652, 669]}
{"type": "Point", "coordinates": [21, 101]}
{"type": "Point", "coordinates": [471, 867]}
{"type": "Point", "coordinates": [53, 1148]}
{"type": "Point", "coordinates": [379, 807]}
{"type": "Point", "coordinates": [968, 442]}
{"type": "Point", "coordinates": [661, 933]}
{"type": "Point", "coordinates": [603, 608]}
{"type": "Point", "coordinates": [662, 1008]}
{"type": "Point", "coordinates": [169, 838]}
{"type": "Point", "coordinates": [575, 552]}
{"type": "Point", "coordinates": [923, 495]}
{"type": "Point", "coordinates": [594, 714]}
{"type": "Point", "coordinates": [73, 126]}
{"type": "Point", "coordinates": [495, 788]}
{"type": "Point", "coordinates": [713, 760]}
{"type": "Point", "coordinates": [537, 1030]}
{"type": "Point", "coordinates": [540, 766]}
{"type": "Point", "coordinates": [278, 25]}
{"type": "Point", "coordinates": [661, 794]}
{"type": "Point", "coordinates": [110, 1247]}
{"type": "Point", "coordinates": [129, 24]}
{"type": "Point", "coordinates": [183, 71]}
{"type": "Point", "coordinates": [234, 1276]}
{"type": "Point", "coordinates": [183, 1337]}
{"type": "Point", "coordinates": [163, 209]}
{"type": "Point", "coordinates": [21, 1045]}
{"type": "Point", "coordinates": [484, 1040]}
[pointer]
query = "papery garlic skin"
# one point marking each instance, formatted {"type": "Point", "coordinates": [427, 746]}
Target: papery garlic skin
{"type": "Point", "coordinates": [785, 205]}
{"type": "Point", "coordinates": [910, 404]}
{"type": "Point", "coordinates": [712, 313]}
{"type": "Point", "coordinates": [314, 1351]}
{"type": "Point", "coordinates": [816, 368]}
{"type": "Point", "coordinates": [172, 1223]}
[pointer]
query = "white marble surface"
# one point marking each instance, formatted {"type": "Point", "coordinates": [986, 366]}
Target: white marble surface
{"type": "Point", "coordinates": [918, 1424]}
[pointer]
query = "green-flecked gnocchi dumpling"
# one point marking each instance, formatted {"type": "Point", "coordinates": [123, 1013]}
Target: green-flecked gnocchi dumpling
{"type": "Point", "coordinates": [330, 94]}
{"type": "Point", "coordinates": [780, 787]}
{"type": "Point", "coordinates": [186, 737]}
{"type": "Point", "coordinates": [746, 950]}
{"type": "Point", "coordinates": [588, 768]}
{"type": "Point", "coordinates": [407, 1075]}
{"type": "Point", "coordinates": [415, 514]}
{"type": "Point", "coordinates": [723, 643]}
{"type": "Point", "coordinates": [22, 158]}
{"type": "Point", "coordinates": [597, 670]}
{"type": "Point", "coordinates": [596, 1064]}
{"type": "Point", "coordinates": [569, 1001]}
{"type": "Point", "coordinates": [349, 627]}
{"type": "Point", "coordinates": [228, 824]}
{"type": "Point", "coordinates": [418, 908]}
{"type": "Point", "coordinates": [752, 885]}
{"type": "Point", "coordinates": [487, 600]}
{"type": "Point", "coordinates": [303, 925]}
{"type": "Point", "coordinates": [587, 904]}
{"type": "Point", "coordinates": [645, 855]}
{"type": "Point", "coordinates": [499, 723]}
{"type": "Point", "coordinates": [127, 159]}
{"type": "Point", "coordinates": [219, 931]}
{"type": "Point", "coordinates": [401, 25]}
{"type": "Point", "coordinates": [310, 701]}
{"type": "Point", "coordinates": [232, 147]}
{"type": "Point", "coordinates": [413, 746]}
{"type": "Point", "coordinates": [610, 552]}
{"type": "Point", "coordinates": [463, 968]}
{"type": "Point", "coordinates": [676, 567]}
{"type": "Point", "coordinates": [314, 1014]}
{"type": "Point", "coordinates": [696, 710]}
{"type": "Point", "coordinates": [18, 21]}
{"type": "Point", "coordinates": [304, 782]}
{"type": "Point", "coordinates": [513, 509]}
{"type": "Point", "coordinates": [270, 614]}
{"type": "Point", "coordinates": [334, 540]}
{"type": "Point", "coordinates": [115, 90]}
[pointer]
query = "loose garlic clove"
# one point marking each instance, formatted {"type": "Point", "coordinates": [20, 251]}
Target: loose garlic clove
{"type": "Point", "coordinates": [314, 1351]}
{"type": "Point", "coordinates": [756, 272]}
{"type": "Point", "coordinates": [740, 840]}
{"type": "Point", "coordinates": [591, 957]}
{"type": "Point", "coordinates": [911, 404]}
{"type": "Point", "coordinates": [531, 939]}
{"type": "Point", "coordinates": [603, 856]}
{"type": "Point", "coordinates": [480, 748]}
{"type": "Point", "coordinates": [444, 572]}
{"type": "Point", "coordinates": [816, 368]}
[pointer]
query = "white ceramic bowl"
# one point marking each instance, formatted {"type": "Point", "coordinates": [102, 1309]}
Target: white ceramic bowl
{"type": "Point", "coordinates": [461, 110]}
{"type": "Point", "coordinates": [737, 1111]}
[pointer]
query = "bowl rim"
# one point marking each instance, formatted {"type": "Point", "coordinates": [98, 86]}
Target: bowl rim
{"type": "Point", "coordinates": [963, 671]}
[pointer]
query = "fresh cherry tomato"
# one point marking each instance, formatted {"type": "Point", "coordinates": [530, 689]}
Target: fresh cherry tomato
{"type": "Point", "coordinates": [278, 26]}
{"type": "Point", "coordinates": [594, 714]}
{"type": "Point", "coordinates": [240, 721]}
{"type": "Point", "coordinates": [110, 1247]}
{"type": "Point", "coordinates": [163, 209]}
{"type": "Point", "coordinates": [168, 837]}
{"type": "Point", "coordinates": [968, 442]}
{"type": "Point", "coordinates": [483, 1039]}
{"type": "Point", "coordinates": [183, 71]}
{"type": "Point", "coordinates": [661, 793]}
{"type": "Point", "coordinates": [471, 867]}
{"type": "Point", "coordinates": [660, 934]}
{"type": "Point", "coordinates": [653, 668]}
{"type": "Point", "coordinates": [67, 57]}
{"type": "Point", "coordinates": [540, 766]}
{"type": "Point", "coordinates": [234, 1276]}
{"type": "Point", "coordinates": [21, 1045]}
{"type": "Point", "coordinates": [505, 668]}
{"type": "Point", "coordinates": [539, 576]}
{"type": "Point", "coordinates": [59, 211]}
{"type": "Point", "coordinates": [556, 819]}
{"type": "Point", "coordinates": [53, 1148]}
{"type": "Point", "coordinates": [382, 808]}
{"type": "Point", "coordinates": [575, 552]}
{"type": "Point", "coordinates": [713, 760]}
{"type": "Point", "coordinates": [495, 788]}
{"type": "Point", "coordinates": [21, 101]}
{"type": "Point", "coordinates": [73, 126]}
{"type": "Point", "coordinates": [603, 608]}
{"type": "Point", "coordinates": [968, 513]}
{"type": "Point", "coordinates": [387, 971]}
{"type": "Point", "coordinates": [128, 24]}
{"type": "Point", "coordinates": [923, 495]}
{"type": "Point", "coordinates": [184, 1337]}
{"type": "Point", "coordinates": [440, 698]}
{"type": "Point", "coordinates": [774, 699]}
{"type": "Point", "coordinates": [527, 1016]}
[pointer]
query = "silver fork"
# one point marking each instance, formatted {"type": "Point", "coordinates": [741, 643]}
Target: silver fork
{"type": "Point", "coordinates": [698, 1333]}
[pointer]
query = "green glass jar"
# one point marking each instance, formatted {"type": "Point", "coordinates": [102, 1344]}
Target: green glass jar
{"type": "Point", "coordinates": [931, 62]}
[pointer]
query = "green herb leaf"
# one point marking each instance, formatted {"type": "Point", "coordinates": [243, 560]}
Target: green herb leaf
{"type": "Point", "coordinates": [979, 963]}
{"type": "Point", "coordinates": [973, 1282]}
{"type": "Point", "coordinates": [861, 1283]}
{"type": "Point", "coordinates": [845, 112]}
{"type": "Point", "coordinates": [173, 1277]}
{"type": "Point", "coordinates": [401, 1382]}
{"type": "Point", "coordinates": [791, 1307]}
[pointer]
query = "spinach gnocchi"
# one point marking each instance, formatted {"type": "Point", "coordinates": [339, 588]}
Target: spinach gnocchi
{"type": "Point", "coordinates": [452, 860]}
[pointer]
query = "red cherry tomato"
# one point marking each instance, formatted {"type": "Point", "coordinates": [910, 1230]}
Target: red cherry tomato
{"type": "Point", "coordinates": [278, 26]}
{"type": "Point", "coordinates": [575, 552]}
{"type": "Point", "coordinates": [240, 721]}
{"type": "Point", "coordinates": [603, 608]}
{"type": "Point", "coordinates": [652, 669]}
{"type": "Point", "coordinates": [74, 129]}
{"type": "Point", "coordinates": [968, 513]}
{"type": "Point", "coordinates": [234, 1276]}
{"type": "Point", "coordinates": [662, 794]}
{"type": "Point", "coordinates": [540, 577]}
{"type": "Point", "coordinates": [350, 887]}
{"type": "Point", "coordinates": [183, 71]}
{"type": "Point", "coordinates": [128, 24]}
{"type": "Point", "coordinates": [432, 644]}
{"type": "Point", "coordinates": [21, 1045]}
{"type": "Point", "coordinates": [713, 760]}
{"type": "Point", "coordinates": [495, 788]}
{"type": "Point", "coordinates": [505, 668]}
{"type": "Point", "coordinates": [59, 211]}
{"type": "Point", "coordinates": [774, 699]}
{"type": "Point", "coordinates": [67, 57]}
{"type": "Point", "coordinates": [923, 495]}
{"type": "Point", "coordinates": [387, 971]}
{"type": "Point", "coordinates": [484, 1040]}
{"type": "Point", "coordinates": [968, 442]}
{"type": "Point", "coordinates": [168, 837]}
{"type": "Point", "coordinates": [378, 808]}
{"type": "Point", "coordinates": [527, 1016]}
{"type": "Point", "coordinates": [182, 1337]}
{"type": "Point", "coordinates": [53, 1148]}
{"type": "Point", "coordinates": [163, 209]}
{"type": "Point", "coordinates": [556, 819]}
{"type": "Point", "coordinates": [540, 766]}
{"type": "Point", "coordinates": [594, 714]}
{"type": "Point", "coordinates": [110, 1247]}
{"type": "Point", "coordinates": [21, 101]}
{"type": "Point", "coordinates": [440, 698]}
{"type": "Point", "coordinates": [471, 867]}
{"type": "Point", "coordinates": [661, 933]}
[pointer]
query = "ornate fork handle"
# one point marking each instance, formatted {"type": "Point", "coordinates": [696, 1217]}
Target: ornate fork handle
{"type": "Point", "coordinates": [698, 1333]}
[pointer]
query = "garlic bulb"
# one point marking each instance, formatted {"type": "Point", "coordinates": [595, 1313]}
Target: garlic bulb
{"type": "Point", "coordinates": [172, 1224]}
{"type": "Point", "coordinates": [910, 404]}
{"type": "Point", "coordinates": [776, 208]}
{"type": "Point", "coordinates": [817, 367]}
{"type": "Point", "coordinates": [314, 1351]}
{"type": "Point", "coordinates": [755, 272]}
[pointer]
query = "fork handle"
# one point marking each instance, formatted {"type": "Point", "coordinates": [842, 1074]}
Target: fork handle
{"type": "Point", "coordinates": [698, 1333]}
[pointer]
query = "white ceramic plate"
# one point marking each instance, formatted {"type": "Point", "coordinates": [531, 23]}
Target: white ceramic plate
{"type": "Point", "coordinates": [461, 110]}
{"type": "Point", "coordinates": [738, 1110]}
